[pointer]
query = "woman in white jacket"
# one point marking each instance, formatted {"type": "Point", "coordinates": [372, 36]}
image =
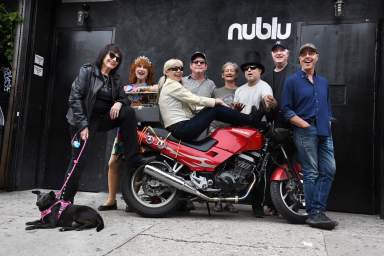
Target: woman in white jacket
{"type": "Point", "coordinates": [177, 104]}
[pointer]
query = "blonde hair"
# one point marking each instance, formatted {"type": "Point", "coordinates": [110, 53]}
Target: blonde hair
{"type": "Point", "coordinates": [171, 63]}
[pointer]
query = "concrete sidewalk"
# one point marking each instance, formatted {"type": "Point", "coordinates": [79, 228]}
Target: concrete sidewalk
{"type": "Point", "coordinates": [194, 233]}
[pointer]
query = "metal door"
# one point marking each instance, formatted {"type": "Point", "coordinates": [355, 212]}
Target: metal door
{"type": "Point", "coordinates": [73, 48]}
{"type": "Point", "coordinates": [347, 60]}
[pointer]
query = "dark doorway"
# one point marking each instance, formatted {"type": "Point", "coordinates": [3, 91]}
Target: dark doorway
{"type": "Point", "coordinates": [73, 48]}
{"type": "Point", "coordinates": [347, 54]}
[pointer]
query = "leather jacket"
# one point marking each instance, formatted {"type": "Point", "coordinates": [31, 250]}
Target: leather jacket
{"type": "Point", "coordinates": [83, 95]}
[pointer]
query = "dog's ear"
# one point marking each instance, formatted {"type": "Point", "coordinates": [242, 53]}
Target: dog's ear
{"type": "Point", "coordinates": [52, 194]}
{"type": "Point", "coordinates": [36, 192]}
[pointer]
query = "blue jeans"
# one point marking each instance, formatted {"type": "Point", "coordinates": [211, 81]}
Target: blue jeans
{"type": "Point", "coordinates": [316, 156]}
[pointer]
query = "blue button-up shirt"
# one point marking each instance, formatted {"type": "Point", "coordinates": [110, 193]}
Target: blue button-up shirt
{"type": "Point", "coordinates": [307, 100]}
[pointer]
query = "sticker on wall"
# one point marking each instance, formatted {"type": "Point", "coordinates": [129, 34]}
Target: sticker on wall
{"type": "Point", "coordinates": [7, 77]}
{"type": "Point", "coordinates": [260, 30]}
{"type": "Point", "coordinates": [39, 60]}
{"type": "Point", "coordinates": [38, 71]}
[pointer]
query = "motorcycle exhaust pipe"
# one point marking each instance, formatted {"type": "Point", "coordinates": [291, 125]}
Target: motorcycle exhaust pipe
{"type": "Point", "coordinates": [181, 184]}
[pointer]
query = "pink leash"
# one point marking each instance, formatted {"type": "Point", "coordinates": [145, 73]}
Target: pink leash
{"type": "Point", "coordinates": [63, 204]}
{"type": "Point", "coordinates": [76, 161]}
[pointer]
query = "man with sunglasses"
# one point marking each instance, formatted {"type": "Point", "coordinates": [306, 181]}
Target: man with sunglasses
{"type": "Point", "coordinates": [197, 82]}
{"type": "Point", "coordinates": [252, 94]}
{"type": "Point", "coordinates": [306, 104]}
{"type": "Point", "coordinates": [255, 91]}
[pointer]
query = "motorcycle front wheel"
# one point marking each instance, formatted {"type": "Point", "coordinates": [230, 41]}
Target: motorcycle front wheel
{"type": "Point", "coordinates": [288, 199]}
{"type": "Point", "coordinates": [148, 196]}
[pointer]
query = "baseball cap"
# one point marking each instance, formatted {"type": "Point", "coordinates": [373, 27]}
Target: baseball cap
{"type": "Point", "coordinates": [278, 44]}
{"type": "Point", "coordinates": [308, 45]}
{"type": "Point", "coordinates": [198, 54]}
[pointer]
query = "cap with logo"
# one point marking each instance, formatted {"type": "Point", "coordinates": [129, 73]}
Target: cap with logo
{"type": "Point", "coordinates": [278, 44]}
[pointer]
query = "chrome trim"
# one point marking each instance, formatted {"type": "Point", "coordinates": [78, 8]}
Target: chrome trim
{"type": "Point", "coordinates": [182, 184]}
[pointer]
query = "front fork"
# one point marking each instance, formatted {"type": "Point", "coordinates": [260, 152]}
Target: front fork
{"type": "Point", "coordinates": [286, 171]}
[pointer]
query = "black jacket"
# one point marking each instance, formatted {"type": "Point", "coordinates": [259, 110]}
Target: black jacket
{"type": "Point", "coordinates": [83, 95]}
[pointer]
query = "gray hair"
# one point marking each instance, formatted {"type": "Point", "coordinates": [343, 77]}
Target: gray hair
{"type": "Point", "coordinates": [237, 69]}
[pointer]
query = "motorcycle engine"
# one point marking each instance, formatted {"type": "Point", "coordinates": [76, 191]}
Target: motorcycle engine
{"type": "Point", "coordinates": [236, 175]}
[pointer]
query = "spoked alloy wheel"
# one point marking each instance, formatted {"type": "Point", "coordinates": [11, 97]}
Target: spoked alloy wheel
{"type": "Point", "coordinates": [288, 198]}
{"type": "Point", "coordinates": [147, 195]}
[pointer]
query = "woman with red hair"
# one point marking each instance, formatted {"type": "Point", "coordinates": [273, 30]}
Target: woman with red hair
{"type": "Point", "coordinates": [140, 79]}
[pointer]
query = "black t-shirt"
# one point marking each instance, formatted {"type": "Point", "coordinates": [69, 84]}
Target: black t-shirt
{"type": "Point", "coordinates": [278, 79]}
{"type": "Point", "coordinates": [104, 100]}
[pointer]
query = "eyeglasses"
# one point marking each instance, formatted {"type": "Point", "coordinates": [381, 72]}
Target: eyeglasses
{"type": "Point", "coordinates": [202, 62]}
{"type": "Point", "coordinates": [113, 55]}
{"type": "Point", "coordinates": [176, 69]}
{"type": "Point", "coordinates": [252, 67]}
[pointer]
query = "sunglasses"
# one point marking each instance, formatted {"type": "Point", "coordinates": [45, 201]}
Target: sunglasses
{"type": "Point", "coordinates": [176, 69]}
{"type": "Point", "coordinates": [202, 62]}
{"type": "Point", "coordinates": [252, 67]}
{"type": "Point", "coordinates": [113, 55]}
{"type": "Point", "coordinates": [304, 53]}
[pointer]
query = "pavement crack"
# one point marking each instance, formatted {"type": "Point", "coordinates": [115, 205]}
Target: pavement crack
{"type": "Point", "coordinates": [130, 239]}
{"type": "Point", "coordinates": [218, 243]}
{"type": "Point", "coordinates": [325, 245]}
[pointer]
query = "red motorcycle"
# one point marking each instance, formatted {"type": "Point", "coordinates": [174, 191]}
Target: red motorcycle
{"type": "Point", "coordinates": [224, 167]}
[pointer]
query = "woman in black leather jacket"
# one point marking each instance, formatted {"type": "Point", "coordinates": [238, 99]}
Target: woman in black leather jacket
{"type": "Point", "coordinates": [97, 102]}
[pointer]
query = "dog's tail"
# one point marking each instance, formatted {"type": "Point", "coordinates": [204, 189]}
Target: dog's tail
{"type": "Point", "coordinates": [100, 223]}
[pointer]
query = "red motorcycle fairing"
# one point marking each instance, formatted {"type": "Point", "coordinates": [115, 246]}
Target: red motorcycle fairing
{"type": "Point", "coordinates": [230, 141]}
{"type": "Point", "coordinates": [280, 174]}
{"type": "Point", "coordinates": [238, 139]}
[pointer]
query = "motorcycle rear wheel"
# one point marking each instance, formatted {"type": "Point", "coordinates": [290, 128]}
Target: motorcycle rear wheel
{"type": "Point", "coordinates": [289, 201]}
{"type": "Point", "coordinates": [148, 196]}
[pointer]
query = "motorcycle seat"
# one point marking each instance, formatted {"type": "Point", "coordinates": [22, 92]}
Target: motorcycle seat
{"type": "Point", "coordinates": [201, 145]}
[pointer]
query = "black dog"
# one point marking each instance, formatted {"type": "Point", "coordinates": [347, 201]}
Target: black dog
{"type": "Point", "coordinates": [57, 213]}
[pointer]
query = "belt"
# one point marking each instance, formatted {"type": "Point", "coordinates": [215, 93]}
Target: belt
{"type": "Point", "coordinates": [311, 121]}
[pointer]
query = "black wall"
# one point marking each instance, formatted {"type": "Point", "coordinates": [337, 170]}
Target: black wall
{"type": "Point", "coordinates": [169, 28]}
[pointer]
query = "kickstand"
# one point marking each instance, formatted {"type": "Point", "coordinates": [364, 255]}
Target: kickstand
{"type": "Point", "coordinates": [209, 210]}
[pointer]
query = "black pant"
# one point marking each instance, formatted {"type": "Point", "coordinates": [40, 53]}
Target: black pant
{"type": "Point", "coordinates": [191, 129]}
{"type": "Point", "coordinates": [101, 122]}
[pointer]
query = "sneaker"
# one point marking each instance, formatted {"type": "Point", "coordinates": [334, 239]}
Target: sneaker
{"type": "Point", "coordinates": [322, 221]}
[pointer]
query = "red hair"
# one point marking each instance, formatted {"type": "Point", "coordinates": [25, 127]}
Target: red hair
{"type": "Point", "coordinates": [146, 63]}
